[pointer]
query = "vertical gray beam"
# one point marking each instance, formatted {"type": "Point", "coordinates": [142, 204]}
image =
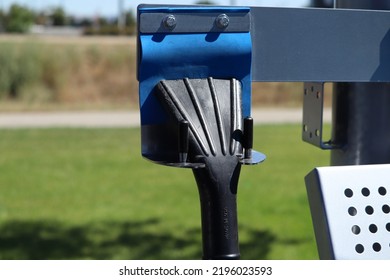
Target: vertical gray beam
{"type": "Point", "coordinates": [317, 45]}
{"type": "Point", "coordinates": [361, 112]}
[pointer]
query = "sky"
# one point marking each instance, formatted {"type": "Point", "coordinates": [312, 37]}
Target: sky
{"type": "Point", "coordinates": [110, 7]}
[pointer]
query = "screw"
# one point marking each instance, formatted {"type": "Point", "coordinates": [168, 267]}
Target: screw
{"type": "Point", "coordinates": [222, 21]}
{"type": "Point", "coordinates": [169, 22]}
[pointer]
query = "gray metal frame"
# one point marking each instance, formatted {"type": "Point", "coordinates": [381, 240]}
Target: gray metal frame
{"type": "Point", "coordinates": [320, 45]}
{"type": "Point", "coordinates": [290, 44]}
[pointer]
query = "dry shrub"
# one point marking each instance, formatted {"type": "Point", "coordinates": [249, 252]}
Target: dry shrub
{"type": "Point", "coordinates": [88, 74]}
{"type": "Point", "coordinates": [93, 75]}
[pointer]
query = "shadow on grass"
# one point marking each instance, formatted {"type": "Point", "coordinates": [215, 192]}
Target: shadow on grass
{"type": "Point", "coordinates": [24, 240]}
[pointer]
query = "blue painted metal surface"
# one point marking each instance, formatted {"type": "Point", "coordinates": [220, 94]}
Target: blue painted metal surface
{"type": "Point", "coordinates": [173, 56]}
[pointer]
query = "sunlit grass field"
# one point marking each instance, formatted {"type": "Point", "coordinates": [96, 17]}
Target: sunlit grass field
{"type": "Point", "coordinates": [88, 194]}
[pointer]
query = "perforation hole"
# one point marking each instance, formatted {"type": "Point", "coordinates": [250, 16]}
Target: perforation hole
{"type": "Point", "coordinates": [369, 210]}
{"type": "Point", "coordinates": [352, 211]}
{"type": "Point", "coordinates": [373, 228]}
{"type": "Point", "coordinates": [365, 192]}
{"type": "Point", "coordinates": [356, 229]}
{"type": "Point", "coordinates": [382, 191]}
{"type": "Point", "coordinates": [376, 247]}
{"type": "Point", "coordinates": [359, 248]}
{"type": "Point", "coordinates": [348, 193]}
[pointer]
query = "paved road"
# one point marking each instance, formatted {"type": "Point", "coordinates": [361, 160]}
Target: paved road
{"type": "Point", "coordinates": [126, 118]}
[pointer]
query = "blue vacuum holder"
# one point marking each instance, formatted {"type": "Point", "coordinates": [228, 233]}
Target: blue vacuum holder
{"type": "Point", "coordinates": [194, 72]}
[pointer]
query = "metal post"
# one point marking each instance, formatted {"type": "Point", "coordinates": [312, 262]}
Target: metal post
{"type": "Point", "coordinates": [121, 15]}
{"type": "Point", "coordinates": [361, 115]}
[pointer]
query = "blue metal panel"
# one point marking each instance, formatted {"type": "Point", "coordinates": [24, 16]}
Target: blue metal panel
{"type": "Point", "coordinates": [173, 56]}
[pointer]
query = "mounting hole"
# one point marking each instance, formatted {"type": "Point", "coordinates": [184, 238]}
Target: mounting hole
{"type": "Point", "coordinates": [356, 229]}
{"type": "Point", "coordinates": [359, 248]}
{"type": "Point", "coordinates": [386, 209]}
{"type": "Point", "coordinates": [305, 128]}
{"type": "Point", "coordinates": [369, 210]}
{"type": "Point", "coordinates": [317, 132]}
{"type": "Point", "coordinates": [348, 193]}
{"type": "Point", "coordinates": [365, 192]}
{"type": "Point", "coordinates": [388, 227]}
{"type": "Point", "coordinates": [376, 247]}
{"type": "Point", "coordinates": [373, 228]}
{"type": "Point", "coordinates": [352, 211]}
{"type": "Point", "coordinates": [382, 191]}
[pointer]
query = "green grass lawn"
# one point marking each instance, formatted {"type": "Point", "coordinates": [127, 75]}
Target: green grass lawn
{"type": "Point", "coordinates": [88, 194]}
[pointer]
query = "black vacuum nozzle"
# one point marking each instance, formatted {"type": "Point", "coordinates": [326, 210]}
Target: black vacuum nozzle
{"type": "Point", "coordinates": [214, 140]}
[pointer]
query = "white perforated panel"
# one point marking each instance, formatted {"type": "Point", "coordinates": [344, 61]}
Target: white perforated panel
{"type": "Point", "coordinates": [356, 203]}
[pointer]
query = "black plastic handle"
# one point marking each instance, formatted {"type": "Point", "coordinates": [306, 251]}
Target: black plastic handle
{"type": "Point", "coordinates": [248, 133]}
{"type": "Point", "coordinates": [248, 137]}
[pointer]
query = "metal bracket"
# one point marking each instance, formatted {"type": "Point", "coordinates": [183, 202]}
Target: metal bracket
{"type": "Point", "coordinates": [313, 107]}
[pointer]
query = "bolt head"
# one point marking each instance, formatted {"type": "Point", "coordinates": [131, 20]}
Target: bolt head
{"type": "Point", "coordinates": [222, 21]}
{"type": "Point", "coordinates": [169, 22]}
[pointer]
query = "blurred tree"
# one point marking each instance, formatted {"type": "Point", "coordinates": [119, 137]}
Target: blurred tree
{"type": "Point", "coordinates": [73, 21]}
{"type": "Point", "coordinates": [107, 26]}
{"type": "Point", "coordinates": [58, 16]}
{"type": "Point", "coordinates": [205, 2]}
{"type": "Point", "coordinates": [1, 21]}
{"type": "Point", "coordinates": [86, 22]}
{"type": "Point", "coordinates": [40, 18]}
{"type": "Point", "coordinates": [19, 19]}
{"type": "Point", "coordinates": [130, 19]}
{"type": "Point", "coordinates": [101, 21]}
